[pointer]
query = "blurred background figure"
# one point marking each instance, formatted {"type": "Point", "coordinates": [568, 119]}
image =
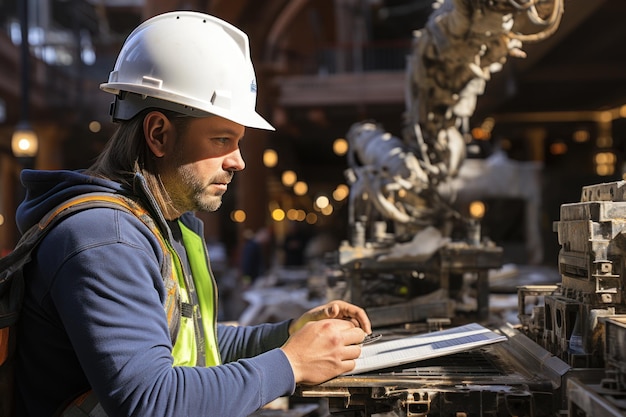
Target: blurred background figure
{"type": "Point", "coordinates": [254, 260]}
{"type": "Point", "coordinates": [294, 244]}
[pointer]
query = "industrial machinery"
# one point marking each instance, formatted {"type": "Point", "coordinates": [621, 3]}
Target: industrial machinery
{"type": "Point", "coordinates": [583, 319]}
{"type": "Point", "coordinates": [565, 358]}
{"type": "Point", "coordinates": [410, 250]}
{"type": "Point", "coordinates": [407, 240]}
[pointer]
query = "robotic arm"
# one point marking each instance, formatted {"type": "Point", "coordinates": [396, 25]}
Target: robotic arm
{"type": "Point", "coordinates": [408, 181]}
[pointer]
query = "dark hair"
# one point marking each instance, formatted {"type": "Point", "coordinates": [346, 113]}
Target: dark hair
{"type": "Point", "coordinates": [126, 153]}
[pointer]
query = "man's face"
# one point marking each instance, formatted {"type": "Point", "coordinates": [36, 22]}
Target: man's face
{"type": "Point", "coordinates": [201, 163]}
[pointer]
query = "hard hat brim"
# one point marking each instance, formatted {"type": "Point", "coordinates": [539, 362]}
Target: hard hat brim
{"type": "Point", "coordinates": [249, 119]}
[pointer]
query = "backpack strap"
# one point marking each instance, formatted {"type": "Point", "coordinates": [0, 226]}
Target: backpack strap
{"type": "Point", "coordinates": [11, 278]}
{"type": "Point", "coordinates": [172, 305]}
{"type": "Point", "coordinates": [12, 281]}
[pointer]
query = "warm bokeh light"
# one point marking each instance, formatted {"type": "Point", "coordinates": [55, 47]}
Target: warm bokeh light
{"type": "Point", "coordinates": [581, 136]}
{"type": "Point", "coordinates": [479, 133]}
{"type": "Point", "coordinates": [477, 209]}
{"type": "Point", "coordinates": [558, 148]}
{"type": "Point", "coordinates": [341, 192]}
{"type": "Point", "coordinates": [238, 216]}
{"type": "Point", "coordinates": [278, 215]}
{"type": "Point", "coordinates": [95, 126]}
{"type": "Point", "coordinates": [322, 202]}
{"type": "Point", "coordinates": [605, 163]}
{"type": "Point", "coordinates": [1, 219]}
{"type": "Point", "coordinates": [604, 170]}
{"type": "Point", "coordinates": [24, 142]}
{"type": "Point", "coordinates": [23, 145]}
{"type": "Point", "coordinates": [270, 158]}
{"type": "Point", "coordinates": [311, 218]}
{"type": "Point", "coordinates": [289, 178]}
{"type": "Point", "coordinates": [292, 214]}
{"type": "Point", "coordinates": [328, 210]}
{"type": "Point", "coordinates": [340, 146]}
{"type": "Point", "coordinates": [300, 188]}
{"type": "Point", "coordinates": [605, 158]}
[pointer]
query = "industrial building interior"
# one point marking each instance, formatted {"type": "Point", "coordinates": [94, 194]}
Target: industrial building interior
{"type": "Point", "coordinates": [543, 162]}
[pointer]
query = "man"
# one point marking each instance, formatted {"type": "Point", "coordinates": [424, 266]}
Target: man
{"type": "Point", "coordinates": [94, 318]}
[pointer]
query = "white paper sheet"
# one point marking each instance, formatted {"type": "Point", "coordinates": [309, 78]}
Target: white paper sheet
{"type": "Point", "coordinates": [379, 355]}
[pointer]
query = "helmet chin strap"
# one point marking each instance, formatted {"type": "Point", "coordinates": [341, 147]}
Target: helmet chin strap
{"type": "Point", "coordinates": [127, 105]}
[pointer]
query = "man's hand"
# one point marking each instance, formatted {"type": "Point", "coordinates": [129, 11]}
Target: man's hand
{"type": "Point", "coordinates": [323, 349]}
{"type": "Point", "coordinates": [334, 310]}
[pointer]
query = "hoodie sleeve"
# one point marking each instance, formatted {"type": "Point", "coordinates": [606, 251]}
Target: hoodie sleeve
{"type": "Point", "coordinates": [247, 341]}
{"type": "Point", "coordinates": [108, 294]}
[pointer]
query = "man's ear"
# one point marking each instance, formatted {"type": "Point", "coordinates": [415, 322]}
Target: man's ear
{"type": "Point", "coordinates": [158, 132]}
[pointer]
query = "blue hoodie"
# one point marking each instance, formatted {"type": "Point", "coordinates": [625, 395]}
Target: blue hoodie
{"type": "Point", "coordinates": [93, 317]}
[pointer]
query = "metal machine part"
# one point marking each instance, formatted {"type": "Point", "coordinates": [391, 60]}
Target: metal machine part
{"type": "Point", "coordinates": [591, 264]}
{"type": "Point", "coordinates": [582, 320]}
{"type": "Point", "coordinates": [605, 396]}
{"type": "Point", "coordinates": [410, 288]}
{"type": "Point", "coordinates": [615, 359]}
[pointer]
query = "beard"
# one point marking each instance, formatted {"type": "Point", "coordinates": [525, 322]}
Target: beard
{"type": "Point", "coordinates": [194, 192]}
{"type": "Point", "coordinates": [190, 191]}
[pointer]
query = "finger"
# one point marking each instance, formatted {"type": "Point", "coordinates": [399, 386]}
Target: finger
{"type": "Point", "coordinates": [354, 321]}
{"type": "Point", "coordinates": [364, 321]}
{"type": "Point", "coordinates": [347, 366]}
{"type": "Point", "coordinates": [324, 312]}
{"type": "Point", "coordinates": [351, 352]}
{"type": "Point", "coordinates": [346, 311]}
{"type": "Point", "coordinates": [344, 325]}
{"type": "Point", "coordinates": [354, 336]}
{"type": "Point", "coordinates": [320, 314]}
{"type": "Point", "coordinates": [360, 318]}
{"type": "Point", "coordinates": [333, 310]}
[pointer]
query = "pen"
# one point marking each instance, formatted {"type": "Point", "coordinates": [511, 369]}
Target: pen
{"type": "Point", "coordinates": [372, 337]}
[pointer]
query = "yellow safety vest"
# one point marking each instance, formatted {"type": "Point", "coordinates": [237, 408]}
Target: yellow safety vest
{"type": "Point", "coordinates": [186, 349]}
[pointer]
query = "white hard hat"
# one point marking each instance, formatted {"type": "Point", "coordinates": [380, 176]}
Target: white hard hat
{"type": "Point", "coordinates": [189, 62]}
